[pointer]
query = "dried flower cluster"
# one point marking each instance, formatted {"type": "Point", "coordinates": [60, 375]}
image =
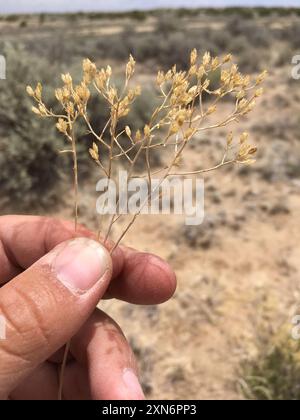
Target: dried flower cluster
{"type": "Point", "coordinates": [181, 115]}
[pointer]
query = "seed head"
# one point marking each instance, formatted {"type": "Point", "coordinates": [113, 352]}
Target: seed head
{"type": "Point", "coordinates": [36, 111]}
{"type": "Point", "coordinates": [67, 79]}
{"type": "Point", "coordinates": [108, 72]}
{"type": "Point", "coordinates": [160, 79]}
{"type": "Point", "coordinates": [89, 71]}
{"type": "Point", "coordinates": [259, 92]}
{"type": "Point", "coordinates": [261, 77]}
{"type": "Point", "coordinates": [62, 126]}
{"type": "Point", "coordinates": [30, 91]}
{"type": "Point", "coordinates": [244, 137]}
{"type": "Point", "coordinates": [206, 59]}
{"type": "Point", "coordinates": [138, 136]}
{"type": "Point", "coordinates": [94, 152]}
{"type": "Point", "coordinates": [130, 67]}
{"type": "Point", "coordinates": [194, 56]}
{"type": "Point", "coordinates": [230, 139]}
{"type": "Point", "coordinates": [38, 92]}
{"type": "Point", "coordinates": [227, 58]}
{"type": "Point", "coordinates": [147, 131]}
{"type": "Point", "coordinates": [128, 131]}
{"type": "Point", "coordinates": [211, 109]}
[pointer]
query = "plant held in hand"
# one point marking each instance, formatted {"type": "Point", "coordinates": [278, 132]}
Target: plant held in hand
{"type": "Point", "coordinates": [186, 108]}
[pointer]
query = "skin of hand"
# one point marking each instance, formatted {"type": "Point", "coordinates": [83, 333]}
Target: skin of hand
{"type": "Point", "coordinates": [51, 280]}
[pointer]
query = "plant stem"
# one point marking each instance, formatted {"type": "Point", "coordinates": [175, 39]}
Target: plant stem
{"type": "Point", "coordinates": [75, 169]}
{"type": "Point", "coordinates": [75, 172]}
{"type": "Point", "coordinates": [62, 371]}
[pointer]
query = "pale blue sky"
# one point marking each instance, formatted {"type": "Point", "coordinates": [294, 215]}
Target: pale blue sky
{"type": "Point", "coordinates": [29, 6]}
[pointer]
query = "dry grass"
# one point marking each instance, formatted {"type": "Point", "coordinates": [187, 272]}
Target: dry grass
{"type": "Point", "coordinates": [186, 108]}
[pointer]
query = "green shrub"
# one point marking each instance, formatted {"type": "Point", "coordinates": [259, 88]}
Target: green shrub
{"type": "Point", "coordinates": [23, 23]}
{"type": "Point", "coordinates": [166, 25]}
{"type": "Point", "coordinates": [42, 18]}
{"type": "Point", "coordinates": [274, 374]}
{"type": "Point", "coordinates": [12, 18]}
{"type": "Point", "coordinates": [256, 34]}
{"type": "Point", "coordinates": [31, 168]}
{"type": "Point", "coordinates": [292, 35]}
{"type": "Point", "coordinates": [30, 175]}
{"type": "Point", "coordinates": [138, 15]}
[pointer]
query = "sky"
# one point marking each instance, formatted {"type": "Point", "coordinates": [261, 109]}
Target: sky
{"type": "Point", "coordinates": [38, 6]}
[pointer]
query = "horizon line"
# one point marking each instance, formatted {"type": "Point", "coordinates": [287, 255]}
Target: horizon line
{"type": "Point", "coordinates": [130, 10]}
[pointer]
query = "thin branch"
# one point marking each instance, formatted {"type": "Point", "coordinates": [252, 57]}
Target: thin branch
{"type": "Point", "coordinates": [202, 171]}
{"type": "Point", "coordinates": [99, 138]}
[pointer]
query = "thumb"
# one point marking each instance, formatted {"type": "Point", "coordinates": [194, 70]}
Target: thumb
{"type": "Point", "coordinates": [46, 305]}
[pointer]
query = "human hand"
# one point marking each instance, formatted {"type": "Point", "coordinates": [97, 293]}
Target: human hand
{"type": "Point", "coordinates": [51, 280]}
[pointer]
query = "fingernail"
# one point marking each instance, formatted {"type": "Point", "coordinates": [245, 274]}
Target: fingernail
{"type": "Point", "coordinates": [81, 264]}
{"type": "Point", "coordinates": [133, 385]}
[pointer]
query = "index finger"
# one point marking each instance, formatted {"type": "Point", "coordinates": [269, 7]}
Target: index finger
{"type": "Point", "coordinates": [137, 277]}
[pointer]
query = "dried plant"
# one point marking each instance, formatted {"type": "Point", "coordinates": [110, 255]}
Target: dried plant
{"type": "Point", "coordinates": [187, 107]}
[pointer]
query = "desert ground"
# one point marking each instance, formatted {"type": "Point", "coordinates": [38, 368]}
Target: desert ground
{"type": "Point", "coordinates": [238, 273]}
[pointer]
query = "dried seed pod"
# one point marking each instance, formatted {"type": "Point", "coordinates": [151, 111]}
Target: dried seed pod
{"type": "Point", "coordinates": [130, 67]}
{"type": "Point", "coordinates": [30, 91]}
{"type": "Point", "coordinates": [62, 126]}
